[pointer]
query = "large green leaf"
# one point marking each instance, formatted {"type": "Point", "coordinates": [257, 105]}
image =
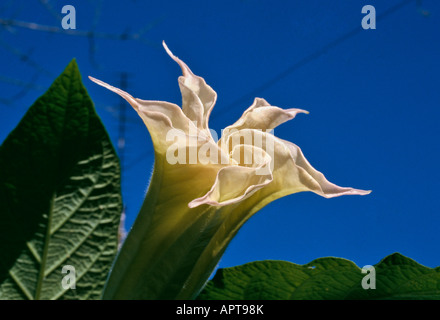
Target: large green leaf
{"type": "Point", "coordinates": [397, 277]}
{"type": "Point", "coordinates": [60, 200]}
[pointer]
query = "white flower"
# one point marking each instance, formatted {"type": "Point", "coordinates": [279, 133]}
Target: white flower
{"type": "Point", "coordinates": [290, 171]}
{"type": "Point", "coordinates": [203, 189]}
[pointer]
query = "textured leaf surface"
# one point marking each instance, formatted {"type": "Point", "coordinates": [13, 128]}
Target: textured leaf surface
{"type": "Point", "coordinates": [397, 277]}
{"type": "Point", "coordinates": [60, 200]}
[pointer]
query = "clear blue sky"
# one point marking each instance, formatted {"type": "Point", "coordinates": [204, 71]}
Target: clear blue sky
{"type": "Point", "coordinates": [373, 97]}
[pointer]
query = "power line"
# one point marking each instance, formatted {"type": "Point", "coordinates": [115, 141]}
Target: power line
{"type": "Point", "coordinates": [294, 67]}
{"type": "Point", "coordinates": [71, 32]}
{"type": "Point", "coordinates": [11, 25]}
{"type": "Point", "coordinates": [255, 92]}
{"type": "Point", "coordinates": [20, 83]}
{"type": "Point", "coordinates": [26, 87]}
{"type": "Point", "coordinates": [51, 10]}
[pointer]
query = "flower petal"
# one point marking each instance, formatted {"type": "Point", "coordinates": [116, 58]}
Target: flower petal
{"type": "Point", "coordinates": [327, 189]}
{"type": "Point", "coordinates": [158, 116]}
{"type": "Point", "coordinates": [191, 105]}
{"type": "Point", "coordinates": [236, 183]}
{"type": "Point", "coordinates": [206, 95]}
{"type": "Point", "coordinates": [261, 115]}
{"type": "Point", "coordinates": [175, 242]}
{"type": "Point", "coordinates": [291, 171]}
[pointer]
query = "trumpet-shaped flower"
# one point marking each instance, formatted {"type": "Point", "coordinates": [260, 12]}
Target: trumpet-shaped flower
{"type": "Point", "coordinates": [202, 191]}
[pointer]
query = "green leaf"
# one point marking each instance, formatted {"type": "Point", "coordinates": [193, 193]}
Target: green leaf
{"type": "Point", "coordinates": [397, 277]}
{"type": "Point", "coordinates": [60, 201]}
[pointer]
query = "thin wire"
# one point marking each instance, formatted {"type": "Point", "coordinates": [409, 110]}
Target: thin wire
{"type": "Point", "coordinates": [306, 60]}
{"type": "Point", "coordinates": [71, 32]}
{"type": "Point", "coordinates": [20, 83]}
{"type": "Point", "coordinates": [50, 9]}
{"type": "Point", "coordinates": [11, 24]}
{"type": "Point", "coordinates": [91, 37]}
{"type": "Point", "coordinates": [291, 69]}
{"type": "Point", "coordinates": [26, 87]}
{"type": "Point", "coordinates": [25, 58]}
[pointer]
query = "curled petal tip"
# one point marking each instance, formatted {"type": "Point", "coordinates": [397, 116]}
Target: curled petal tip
{"type": "Point", "coordinates": [167, 49]}
{"type": "Point", "coordinates": [170, 53]}
{"type": "Point", "coordinates": [122, 93]}
{"type": "Point", "coordinates": [185, 70]}
{"type": "Point", "coordinates": [194, 203]}
{"type": "Point", "coordinates": [360, 192]}
{"type": "Point", "coordinates": [191, 205]}
{"type": "Point", "coordinates": [351, 191]}
{"type": "Point", "coordinates": [295, 111]}
{"type": "Point", "coordinates": [93, 79]}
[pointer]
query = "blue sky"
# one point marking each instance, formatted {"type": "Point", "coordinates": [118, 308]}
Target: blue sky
{"type": "Point", "coordinates": [373, 97]}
